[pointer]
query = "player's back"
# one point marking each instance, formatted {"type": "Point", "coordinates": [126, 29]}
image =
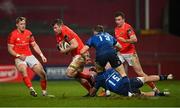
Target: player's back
{"type": "Point", "coordinates": [103, 42]}
{"type": "Point", "coordinates": [112, 80]}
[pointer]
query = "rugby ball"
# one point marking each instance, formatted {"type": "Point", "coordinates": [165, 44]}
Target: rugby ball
{"type": "Point", "coordinates": [64, 45]}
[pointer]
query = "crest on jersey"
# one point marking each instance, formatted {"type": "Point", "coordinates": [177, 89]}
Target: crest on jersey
{"type": "Point", "coordinates": [18, 39]}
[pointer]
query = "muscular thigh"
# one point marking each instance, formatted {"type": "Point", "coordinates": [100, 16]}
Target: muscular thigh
{"type": "Point", "coordinates": [38, 68]}
{"type": "Point", "coordinates": [77, 64]}
{"type": "Point", "coordinates": [20, 65]}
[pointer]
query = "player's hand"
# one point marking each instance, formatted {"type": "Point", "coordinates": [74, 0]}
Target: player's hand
{"type": "Point", "coordinates": [122, 39]}
{"type": "Point", "coordinates": [58, 47]}
{"type": "Point", "coordinates": [88, 61]}
{"type": "Point", "coordinates": [44, 59]}
{"type": "Point", "coordinates": [64, 51]}
{"type": "Point", "coordinates": [22, 57]}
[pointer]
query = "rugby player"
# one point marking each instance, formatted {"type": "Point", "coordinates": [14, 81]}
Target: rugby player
{"type": "Point", "coordinates": [113, 81]}
{"type": "Point", "coordinates": [75, 69]}
{"type": "Point", "coordinates": [126, 36]}
{"type": "Point", "coordinates": [19, 42]}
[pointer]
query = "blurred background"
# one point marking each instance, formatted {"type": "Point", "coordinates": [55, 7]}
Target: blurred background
{"type": "Point", "coordinates": [156, 23]}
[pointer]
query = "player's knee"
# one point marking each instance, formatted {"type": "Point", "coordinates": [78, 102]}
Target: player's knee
{"type": "Point", "coordinates": [23, 70]}
{"type": "Point", "coordinates": [37, 67]}
{"type": "Point", "coordinates": [70, 74]}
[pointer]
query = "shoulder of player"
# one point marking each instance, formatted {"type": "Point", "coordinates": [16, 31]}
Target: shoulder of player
{"type": "Point", "coordinates": [65, 28]}
{"type": "Point", "coordinates": [14, 32]}
{"type": "Point", "coordinates": [92, 37]}
{"type": "Point", "coordinates": [28, 31]}
{"type": "Point", "coordinates": [106, 33]}
{"type": "Point", "coordinates": [127, 26]}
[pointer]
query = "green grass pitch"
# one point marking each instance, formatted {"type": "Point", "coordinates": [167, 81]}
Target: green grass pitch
{"type": "Point", "coordinates": [69, 93]}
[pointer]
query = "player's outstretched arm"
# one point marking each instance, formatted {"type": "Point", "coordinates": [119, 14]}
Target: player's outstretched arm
{"type": "Point", "coordinates": [38, 51]}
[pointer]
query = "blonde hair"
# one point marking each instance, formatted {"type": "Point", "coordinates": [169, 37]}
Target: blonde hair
{"type": "Point", "coordinates": [18, 19]}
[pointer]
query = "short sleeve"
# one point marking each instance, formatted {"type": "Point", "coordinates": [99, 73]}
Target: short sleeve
{"type": "Point", "coordinates": [130, 31]}
{"type": "Point", "coordinates": [68, 34]}
{"type": "Point", "coordinates": [31, 39]}
{"type": "Point", "coordinates": [11, 39]}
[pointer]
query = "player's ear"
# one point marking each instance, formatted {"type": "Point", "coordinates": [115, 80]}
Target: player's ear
{"type": "Point", "coordinates": [16, 24]}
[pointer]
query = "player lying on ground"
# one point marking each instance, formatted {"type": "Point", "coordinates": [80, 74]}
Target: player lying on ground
{"type": "Point", "coordinates": [113, 81]}
{"type": "Point", "coordinates": [126, 36]}
{"type": "Point", "coordinates": [64, 35]}
{"type": "Point", "coordinates": [19, 42]}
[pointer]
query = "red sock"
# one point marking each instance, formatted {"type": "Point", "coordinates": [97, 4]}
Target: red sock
{"type": "Point", "coordinates": [151, 84]}
{"type": "Point", "coordinates": [43, 84]}
{"type": "Point", "coordinates": [27, 82]}
{"type": "Point", "coordinates": [86, 85]}
{"type": "Point", "coordinates": [83, 75]}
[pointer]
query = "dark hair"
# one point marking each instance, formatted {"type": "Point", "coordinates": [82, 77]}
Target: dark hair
{"type": "Point", "coordinates": [98, 28]}
{"type": "Point", "coordinates": [59, 22]}
{"type": "Point", "coordinates": [18, 19]}
{"type": "Point", "coordinates": [117, 14]}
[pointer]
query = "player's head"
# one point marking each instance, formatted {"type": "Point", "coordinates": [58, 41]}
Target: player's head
{"type": "Point", "coordinates": [57, 23]}
{"type": "Point", "coordinates": [119, 18]}
{"type": "Point", "coordinates": [97, 29]}
{"type": "Point", "coordinates": [21, 23]}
